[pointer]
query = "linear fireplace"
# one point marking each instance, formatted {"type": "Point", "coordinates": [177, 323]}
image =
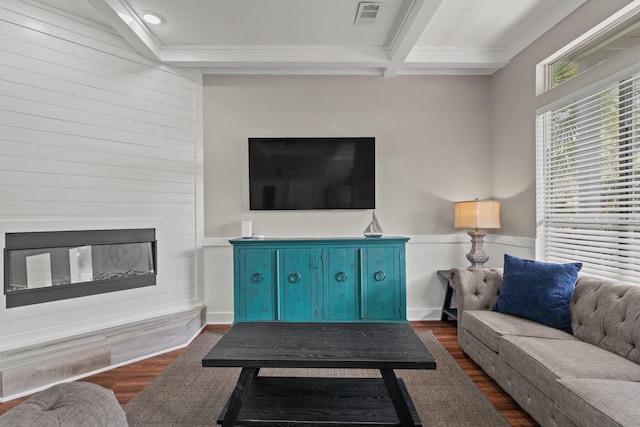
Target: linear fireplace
{"type": "Point", "coordinates": [49, 266]}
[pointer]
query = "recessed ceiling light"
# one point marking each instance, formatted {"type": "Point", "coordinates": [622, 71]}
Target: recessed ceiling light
{"type": "Point", "coordinates": [153, 18]}
{"type": "Point", "coordinates": [125, 17]}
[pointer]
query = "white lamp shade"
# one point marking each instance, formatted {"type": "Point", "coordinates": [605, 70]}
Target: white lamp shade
{"type": "Point", "coordinates": [477, 214]}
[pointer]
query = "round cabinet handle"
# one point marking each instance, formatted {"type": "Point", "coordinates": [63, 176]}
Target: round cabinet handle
{"type": "Point", "coordinates": [379, 276]}
{"type": "Point", "coordinates": [295, 277]}
{"type": "Point", "coordinates": [341, 276]}
{"type": "Point", "coordinates": [257, 277]}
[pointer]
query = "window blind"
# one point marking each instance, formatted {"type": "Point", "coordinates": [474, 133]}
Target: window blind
{"type": "Point", "coordinates": [588, 182]}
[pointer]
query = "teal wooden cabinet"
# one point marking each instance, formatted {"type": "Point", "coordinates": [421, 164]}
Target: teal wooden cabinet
{"type": "Point", "coordinates": [341, 284]}
{"type": "Point", "coordinates": [383, 281]}
{"type": "Point", "coordinates": [254, 277]}
{"type": "Point", "coordinates": [297, 284]}
{"type": "Point", "coordinates": [332, 279]}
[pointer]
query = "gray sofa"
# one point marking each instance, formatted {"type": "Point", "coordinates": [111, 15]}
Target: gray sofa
{"type": "Point", "coordinates": [590, 378]}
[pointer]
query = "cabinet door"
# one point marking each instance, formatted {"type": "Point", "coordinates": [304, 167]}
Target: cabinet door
{"type": "Point", "coordinates": [382, 296]}
{"type": "Point", "coordinates": [297, 284]}
{"type": "Point", "coordinates": [341, 284]}
{"type": "Point", "coordinates": [255, 296]}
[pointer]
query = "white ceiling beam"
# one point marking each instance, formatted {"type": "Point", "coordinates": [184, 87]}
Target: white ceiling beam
{"type": "Point", "coordinates": [319, 71]}
{"type": "Point", "coordinates": [415, 21]}
{"type": "Point", "coordinates": [457, 57]}
{"type": "Point", "coordinates": [298, 71]}
{"type": "Point", "coordinates": [134, 32]}
{"type": "Point", "coordinates": [273, 56]}
{"type": "Point", "coordinates": [444, 71]}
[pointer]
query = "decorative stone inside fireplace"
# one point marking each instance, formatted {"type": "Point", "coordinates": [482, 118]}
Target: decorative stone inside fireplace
{"type": "Point", "coordinates": [49, 266]}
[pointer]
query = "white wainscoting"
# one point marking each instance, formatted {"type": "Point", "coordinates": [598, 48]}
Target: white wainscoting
{"type": "Point", "coordinates": [95, 136]}
{"type": "Point", "coordinates": [425, 255]}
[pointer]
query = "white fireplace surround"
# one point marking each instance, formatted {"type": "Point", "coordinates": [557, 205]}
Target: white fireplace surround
{"type": "Point", "coordinates": [62, 340]}
{"type": "Point", "coordinates": [34, 324]}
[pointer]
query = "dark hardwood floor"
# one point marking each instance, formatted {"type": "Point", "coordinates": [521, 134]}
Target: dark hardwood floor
{"type": "Point", "coordinates": [129, 380]}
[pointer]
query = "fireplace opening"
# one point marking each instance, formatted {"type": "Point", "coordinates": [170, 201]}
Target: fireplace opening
{"type": "Point", "coordinates": [49, 266]}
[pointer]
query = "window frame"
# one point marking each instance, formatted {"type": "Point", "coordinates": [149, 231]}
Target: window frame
{"type": "Point", "coordinates": [544, 69]}
{"type": "Point", "coordinates": [547, 248]}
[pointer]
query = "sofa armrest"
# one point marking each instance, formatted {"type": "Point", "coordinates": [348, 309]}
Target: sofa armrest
{"type": "Point", "coordinates": [476, 289]}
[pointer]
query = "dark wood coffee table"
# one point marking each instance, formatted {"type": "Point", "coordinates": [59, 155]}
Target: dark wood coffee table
{"type": "Point", "coordinates": [292, 401]}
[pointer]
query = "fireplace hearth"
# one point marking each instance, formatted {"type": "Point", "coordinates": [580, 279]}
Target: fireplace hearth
{"type": "Point", "coordinates": [49, 266]}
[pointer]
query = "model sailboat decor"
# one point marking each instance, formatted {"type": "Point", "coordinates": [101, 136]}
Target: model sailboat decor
{"type": "Point", "coordinates": [373, 229]}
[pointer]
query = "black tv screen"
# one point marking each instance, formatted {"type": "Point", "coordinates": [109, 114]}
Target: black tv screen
{"type": "Point", "coordinates": [311, 173]}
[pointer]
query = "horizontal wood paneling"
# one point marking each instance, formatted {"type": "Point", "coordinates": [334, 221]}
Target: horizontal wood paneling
{"type": "Point", "coordinates": [43, 51]}
{"type": "Point", "coordinates": [103, 120]}
{"type": "Point", "coordinates": [44, 180]}
{"type": "Point", "coordinates": [136, 148]}
{"type": "Point", "coordinates": [59, 99]}
{"type": "Point", "coordinates": [101, 41]}
{"type": "Point", "coordinates": [80, 208]}
{"type": "Point", "coordinates": [92, 134]}
{"type": "Point", "coordinates": [15, 193]}
{"type": "Point", "coordinates": [71, 167]}
{"type": "Point", "coordinates": [43, 73]}
{"type": "Point", "coordinates": [37, 150]}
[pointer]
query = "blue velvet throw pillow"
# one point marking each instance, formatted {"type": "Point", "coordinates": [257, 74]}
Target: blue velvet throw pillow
{"type": "Point", "coordinates": [539, 291]}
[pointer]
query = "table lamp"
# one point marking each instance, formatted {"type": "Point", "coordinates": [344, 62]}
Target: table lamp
{"type": "Point", "coordinates": [477, 215]}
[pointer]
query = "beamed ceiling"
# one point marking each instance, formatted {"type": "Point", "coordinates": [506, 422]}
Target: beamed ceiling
{"type": "Point", "coordinates": [398, 37]}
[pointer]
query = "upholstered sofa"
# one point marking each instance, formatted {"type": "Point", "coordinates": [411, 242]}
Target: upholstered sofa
{"type": "Point", "coordinates": [590, 377]}
{"type": "Point", "coordinates": [72, 404]}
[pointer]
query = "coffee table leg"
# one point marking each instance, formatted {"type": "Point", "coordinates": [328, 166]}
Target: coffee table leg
{"type": "Point", "coordinates": [393, 387]}
{"type": "Point", "coordinates": [239, 394]}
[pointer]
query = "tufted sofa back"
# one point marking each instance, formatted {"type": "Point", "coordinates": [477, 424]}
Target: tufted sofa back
{"type": "Point", "coordinates": [607, 314]}
{"type": "Point", "coordinates": [476, 289]}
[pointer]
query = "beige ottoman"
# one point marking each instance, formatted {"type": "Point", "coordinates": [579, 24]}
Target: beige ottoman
{"type": "Point", "coordinates": [69, 404]}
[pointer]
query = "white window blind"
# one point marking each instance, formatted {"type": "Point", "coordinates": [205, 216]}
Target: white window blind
{"type": "Point", "coordinates": [588, 176]}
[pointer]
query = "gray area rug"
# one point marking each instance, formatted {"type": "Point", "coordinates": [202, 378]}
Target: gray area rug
{"type": "Point", "coordinates": [186, 394]}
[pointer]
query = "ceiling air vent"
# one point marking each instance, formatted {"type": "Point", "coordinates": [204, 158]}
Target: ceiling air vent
{"type": "Point", "coordinates": [368, 13]}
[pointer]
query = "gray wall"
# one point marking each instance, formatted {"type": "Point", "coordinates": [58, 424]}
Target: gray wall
{"type": "Point", "coordinates": [432, 147]}
{"type": "Point", "coordinates": [513, 111]}
{"type": "Point", "coordinates": [439, 139]}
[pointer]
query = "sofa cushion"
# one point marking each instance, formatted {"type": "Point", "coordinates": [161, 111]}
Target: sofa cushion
{"type": "Point", "coordinates": [542, 361]}
{"type": "Point", "coordinates": [606, 313]}
{"type": "Point", "coordinates": [489, 327]}
{"type": "Point", "coordinates": [533, 400]}
{"type": "Point", "coordinates": [596, 402]}
{"type": "Point", "coordinates": [479, 352]}
{"type": "Point", "coordinates": [539, 291]}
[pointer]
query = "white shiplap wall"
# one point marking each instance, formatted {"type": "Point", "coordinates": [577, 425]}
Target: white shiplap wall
{"type": "Point", "coordinates": [93, 136]}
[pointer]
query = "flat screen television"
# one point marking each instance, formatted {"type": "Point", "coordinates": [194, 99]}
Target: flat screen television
{"type": "Point", "coordinates": [312, 173]}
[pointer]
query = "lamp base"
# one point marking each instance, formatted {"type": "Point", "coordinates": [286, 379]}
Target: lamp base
{"type": "Point", "coordinates": [477, 257]}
